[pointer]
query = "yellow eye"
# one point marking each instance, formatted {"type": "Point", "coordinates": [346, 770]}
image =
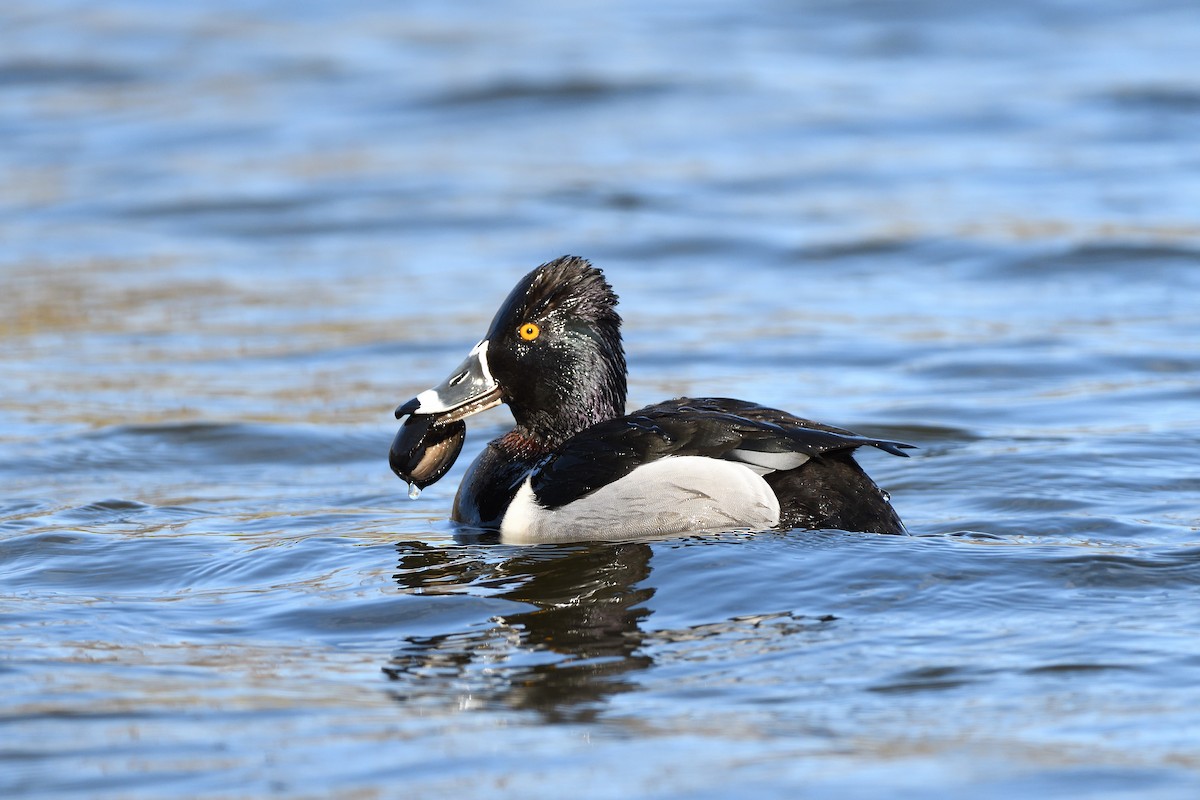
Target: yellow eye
{"type": "Point", "coordinates": [529, 331]}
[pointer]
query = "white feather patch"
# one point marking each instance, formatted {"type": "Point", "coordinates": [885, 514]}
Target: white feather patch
{"type": "Point", "coordinates": [770, 462]}
{"type": "Point", "coordinates": [668, 496]}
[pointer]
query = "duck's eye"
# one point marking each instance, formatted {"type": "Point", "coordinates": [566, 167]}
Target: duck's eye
{"type": "Point", "coordinates": [529, 331]}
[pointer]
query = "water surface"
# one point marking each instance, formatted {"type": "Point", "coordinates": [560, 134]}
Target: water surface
{"type": "Point", "coordinates": [237, 235]}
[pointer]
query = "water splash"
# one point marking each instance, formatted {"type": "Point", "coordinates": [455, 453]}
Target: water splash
{"type": "Point", "coordinates": [414, 491]}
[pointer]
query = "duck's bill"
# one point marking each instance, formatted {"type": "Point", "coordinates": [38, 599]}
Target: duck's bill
{"type": "Point", "coordinates": [430, 440]}
{"type": "Point", "coordinates": [469, 390]}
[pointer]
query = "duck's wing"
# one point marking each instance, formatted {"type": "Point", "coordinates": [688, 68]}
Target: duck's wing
{"type": "Point", "coordinates": [765, 440]}
{"type": "Point", "coordinates": [774, 418]}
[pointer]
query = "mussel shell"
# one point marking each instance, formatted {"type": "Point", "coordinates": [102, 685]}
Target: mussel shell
{"type": "Point", "coordinates": [424, 449]}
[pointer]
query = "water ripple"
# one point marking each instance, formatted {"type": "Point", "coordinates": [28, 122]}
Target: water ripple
{"type": "Point", "coordinates": [237, 234]}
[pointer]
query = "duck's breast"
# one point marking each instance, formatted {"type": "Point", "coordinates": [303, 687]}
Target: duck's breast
{"type": "Point", "coordinates": [488, 486]}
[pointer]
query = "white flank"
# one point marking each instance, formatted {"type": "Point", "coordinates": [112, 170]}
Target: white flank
{"type": "Point", "coordinates": [664, 497]}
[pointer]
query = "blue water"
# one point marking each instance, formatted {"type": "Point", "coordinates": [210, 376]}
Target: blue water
{"type": "Point", "coordinates": [237, 234]}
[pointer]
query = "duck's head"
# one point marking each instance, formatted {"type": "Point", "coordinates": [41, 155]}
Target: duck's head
{"type": "Point", "coordinates": [552, 353]}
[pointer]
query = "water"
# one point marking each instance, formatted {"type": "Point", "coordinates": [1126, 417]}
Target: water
{"type": "Point", "coordinates": [237, 235]}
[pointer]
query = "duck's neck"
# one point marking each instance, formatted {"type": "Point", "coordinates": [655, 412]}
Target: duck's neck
{"type": "Point", "coordinates": [569, 405]}
{"type": "Point", "coordinates": [546, 429]}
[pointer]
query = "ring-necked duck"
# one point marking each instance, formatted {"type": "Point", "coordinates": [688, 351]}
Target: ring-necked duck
{"type": "Point", "coordinates": [577, 466]}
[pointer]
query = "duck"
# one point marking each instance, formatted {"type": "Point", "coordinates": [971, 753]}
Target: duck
{"type": "Point", "coordinates": [577, 466]}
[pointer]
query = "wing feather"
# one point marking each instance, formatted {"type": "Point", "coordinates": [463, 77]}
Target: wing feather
{"type": "Point", "coordinates": [768, 439]}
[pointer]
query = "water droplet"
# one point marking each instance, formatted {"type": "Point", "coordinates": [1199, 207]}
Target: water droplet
{"type": "Point", "coordinates": [414, 491]}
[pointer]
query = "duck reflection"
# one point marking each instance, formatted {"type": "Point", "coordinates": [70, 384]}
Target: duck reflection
{"type": "Point", "coordinates": [564, 658]}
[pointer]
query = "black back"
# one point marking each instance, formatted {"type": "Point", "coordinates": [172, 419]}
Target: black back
{"type": "Point", "coordinates": [829, 490]}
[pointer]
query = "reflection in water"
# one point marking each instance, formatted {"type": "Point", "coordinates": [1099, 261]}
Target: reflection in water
{"type": "Point", "coordinates": [561, 659]}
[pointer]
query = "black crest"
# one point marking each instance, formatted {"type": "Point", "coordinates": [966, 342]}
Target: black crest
{"type": "Point", "coordinates": [568, 285]}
